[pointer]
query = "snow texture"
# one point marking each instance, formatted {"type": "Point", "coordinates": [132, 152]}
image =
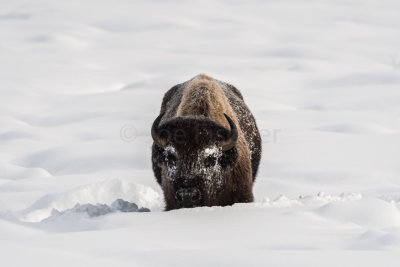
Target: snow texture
{"type": "Point", "coordinates": [81, 83]}
{"type": "Point", "coordinates": [101, 209]}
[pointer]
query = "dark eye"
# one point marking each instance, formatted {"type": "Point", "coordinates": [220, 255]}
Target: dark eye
{"type": "Point", "coordinates": [171, 159]}
{"type": "Point", "coordinates": [210, 161]}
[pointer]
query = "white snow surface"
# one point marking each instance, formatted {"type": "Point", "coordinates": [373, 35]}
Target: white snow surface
{"type": "Point", "coordinates": [82, 81]}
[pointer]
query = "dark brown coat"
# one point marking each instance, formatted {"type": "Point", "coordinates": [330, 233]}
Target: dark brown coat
{"type": "Point", "coordinates": [197, 159]}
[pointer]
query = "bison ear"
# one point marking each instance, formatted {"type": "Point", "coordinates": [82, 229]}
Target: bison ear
{"type": "Point", "coordinates": [155, 133]}
{"type": "Point", "coordinates": [229, 157]}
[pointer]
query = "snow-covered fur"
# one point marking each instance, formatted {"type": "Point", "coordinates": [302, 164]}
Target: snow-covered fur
{"type": "Point", "coordinates": [190, 161]}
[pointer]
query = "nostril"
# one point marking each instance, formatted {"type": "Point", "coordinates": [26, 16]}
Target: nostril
{"type": "Point", "coordinates": [187, 201]}
{"type": "Point", "coordinates": [195, 196]}
{"type": "Point", "coordinates": [179, 195]}
{"type": "Point", "coordinates": [188, 197]}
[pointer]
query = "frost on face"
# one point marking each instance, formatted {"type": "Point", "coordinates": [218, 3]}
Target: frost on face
{"type": "Point", "coordinates": [203, 164]}
{"type": "Point", "coordinates": [209, 166]}
{"type": "Point", "coordinates": [170, 149]}
{"type": "Point", "coordinates": [170, 156]}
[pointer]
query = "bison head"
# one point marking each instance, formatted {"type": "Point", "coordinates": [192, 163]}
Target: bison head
{"type": "Point", "coordinates": [195, 155]}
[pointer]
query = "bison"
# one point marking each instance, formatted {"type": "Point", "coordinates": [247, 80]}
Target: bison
{"type": "Point", "coordinates": [207, 146]}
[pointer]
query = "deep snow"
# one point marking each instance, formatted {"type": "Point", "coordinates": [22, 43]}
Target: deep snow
{"type": "Point", "coordinates": [82, 81]}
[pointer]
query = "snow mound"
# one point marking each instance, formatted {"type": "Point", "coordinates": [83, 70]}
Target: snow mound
{"type": "Point", "coordinates": [101, 209]}
{"type": "Point", "coordinates": [14, 172]}
{"type": "Point", "coordinates": [104, 192]}
{"type": "Point", "coordinates": [310, 200]}
{"type": "Point", "coordinates": [368, 212]}
{"type": "Point", "coordinates": [371, 239]}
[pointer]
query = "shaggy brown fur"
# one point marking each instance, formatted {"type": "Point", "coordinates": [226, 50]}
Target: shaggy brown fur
{"type": "Point", "coordinates": [193, 121]}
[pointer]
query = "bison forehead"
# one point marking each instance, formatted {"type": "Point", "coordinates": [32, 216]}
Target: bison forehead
{"type": "Point", "coordinates": [192, 131]}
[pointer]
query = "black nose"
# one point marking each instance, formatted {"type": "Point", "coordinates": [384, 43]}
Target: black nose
{"type": "Point", "coordinates": [188, 197]}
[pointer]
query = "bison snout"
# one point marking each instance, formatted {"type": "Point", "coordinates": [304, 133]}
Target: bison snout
{"type": "Point", "coordinates": [188, 197]}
